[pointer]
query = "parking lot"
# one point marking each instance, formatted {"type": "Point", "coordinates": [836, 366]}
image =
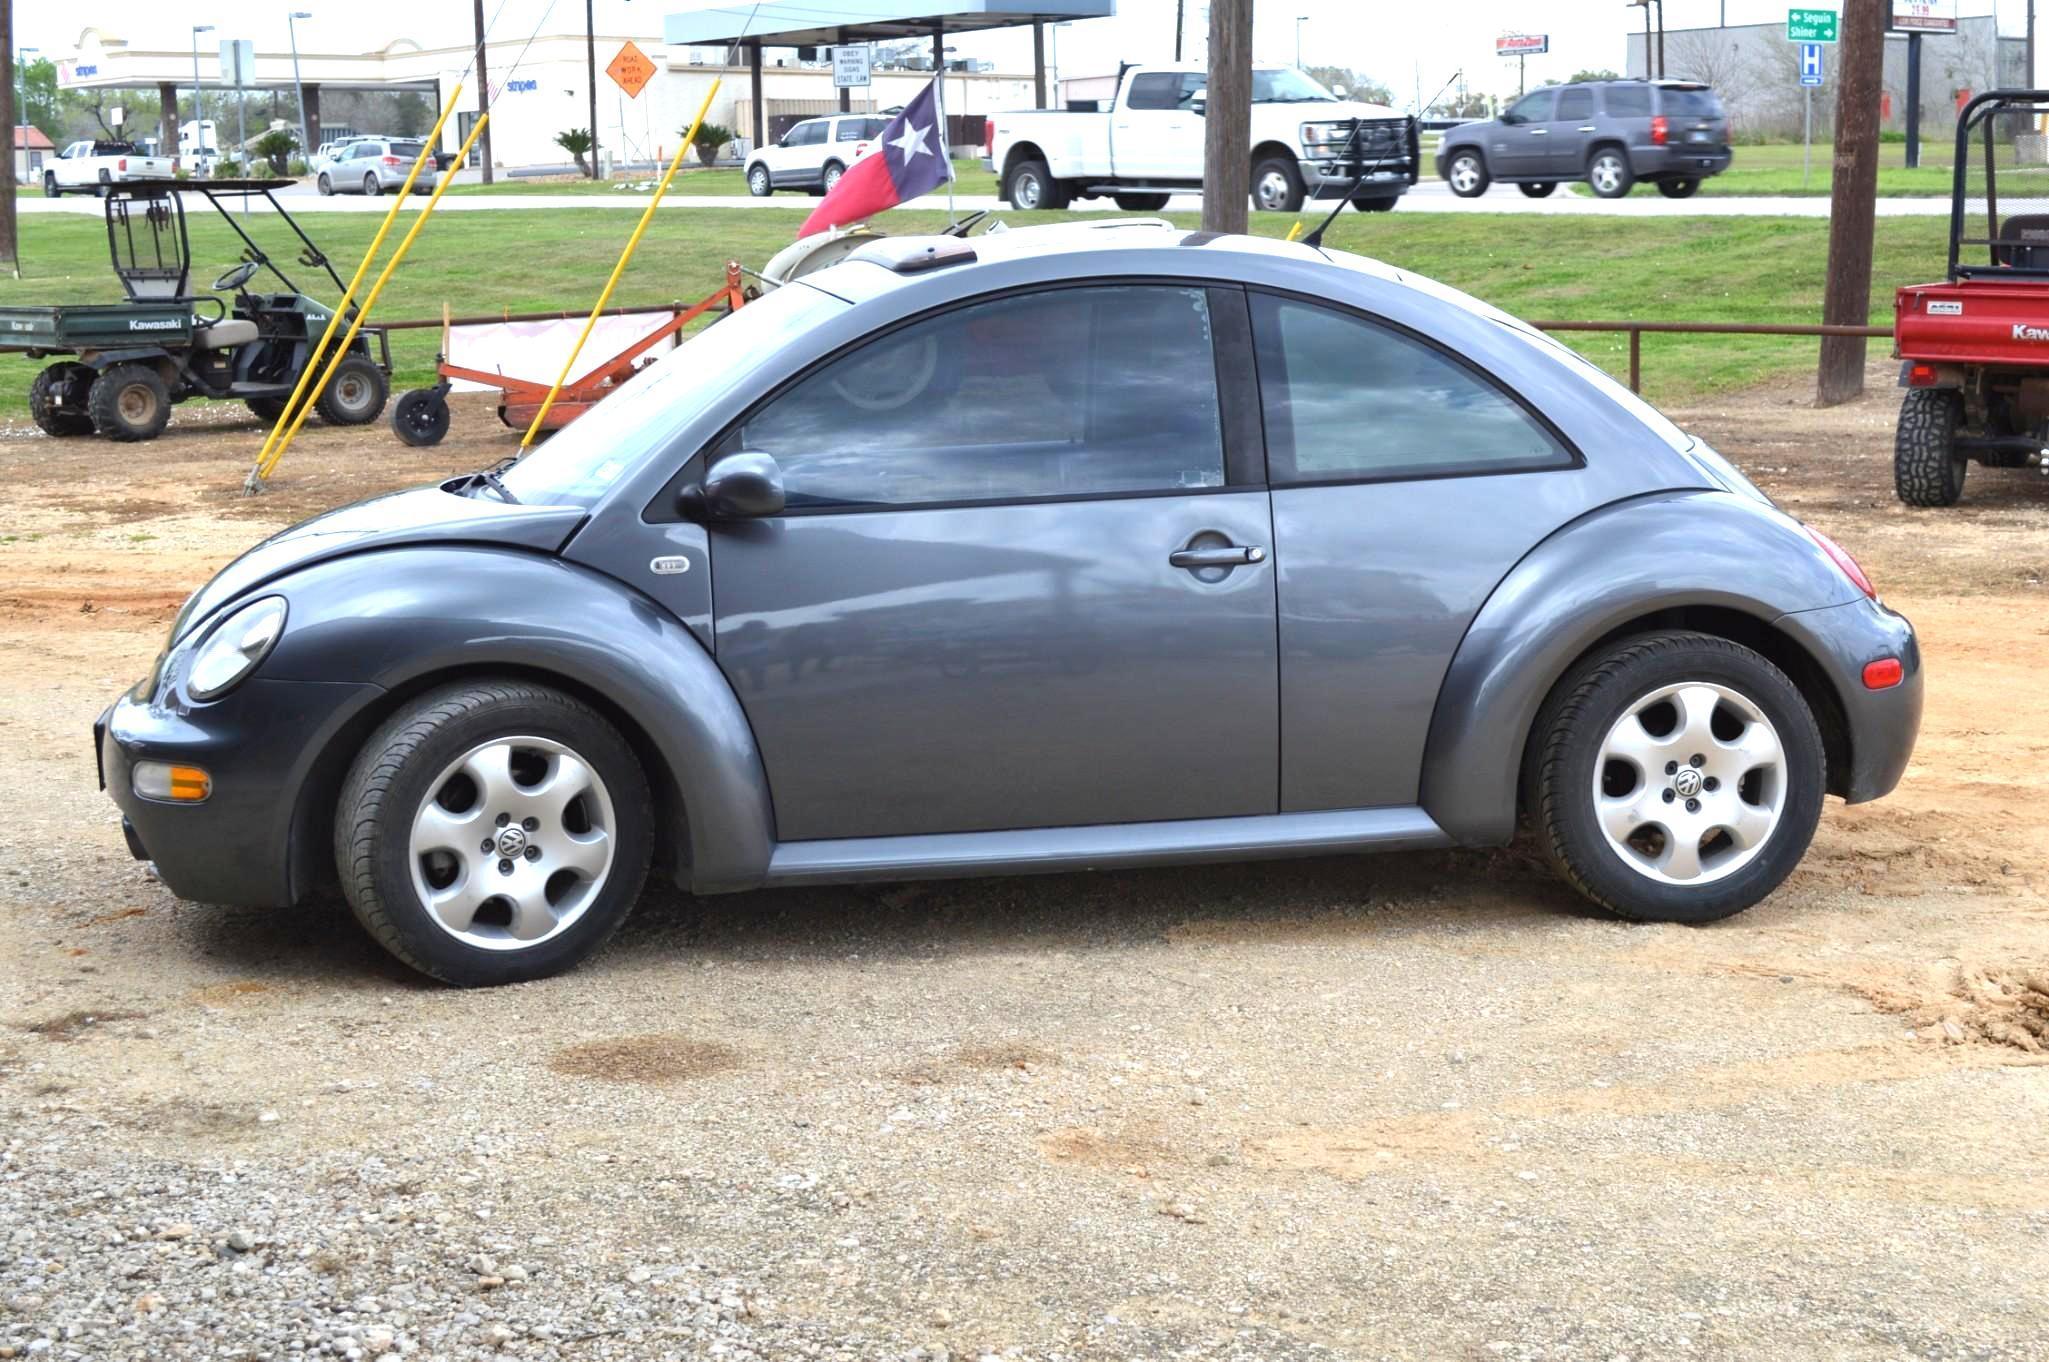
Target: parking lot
{"type": "Point", "coordinates": [1412, 1105]}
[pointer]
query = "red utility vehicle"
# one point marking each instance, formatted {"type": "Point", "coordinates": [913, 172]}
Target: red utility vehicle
{"type": "Point", "coordinates": [1974, 350]}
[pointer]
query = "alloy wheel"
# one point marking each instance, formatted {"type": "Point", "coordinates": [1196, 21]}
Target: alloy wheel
{"type": "Point", "coordinates": [1691, 783]}
{"type": "Point", "coordinates": [1606, 174]}
{"type": "Point", "coordinates": [513, 843]}
{"type": "Point", "coordinates": [1465, 174]}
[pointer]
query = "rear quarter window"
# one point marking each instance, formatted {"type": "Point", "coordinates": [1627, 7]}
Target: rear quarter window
{"type": "Point", "coordinates": [1627, 101]}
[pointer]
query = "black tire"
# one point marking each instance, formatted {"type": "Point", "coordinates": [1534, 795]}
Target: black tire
{"type": "Point", "coordinates": [829, 175]}
{"type": "Point", "coordinates": [58, 399]}
{"type": "Point", "coordinates": [50, 189]}
{"type": "Point", "coordinates": [1927, 470]}
{"type": "Point", "coordinates": [1384, 204]}
{"type": "Point", "coordinates": [420, 418]}
{"type": "Point", "coordinates": [1140, 203]}
{"type": "Point", "coordinates": [107, 183]}
{"type": "Point", "coordinates": [324, 185]}
{"type": "Point", "coordinates": [1030, 186]}
{"type": "Point", "coordinates": [758, 182]}
{"type": "Point", "coordinates": [1277, 185]}
{"type": "Point", "coordinates": [394, 776]}
{"type": "Point", "coordinates": [372, 186]}
{"type": "Point", "coordinates": [1564, 760]}
{"type": "Point", "coordinates": [1466, 173]}
{"type": "Point", "coordinates": [355, 395]}
{"type": "Point", "coordinates": [129, 402]}
{"type": "Point", "coordinates": [1538, 190]}
{"type": "Point", "coordinates": [1679, 189]}
{"type": "Point", "coordinates": [1608, 173]}
{"type": "Point", "coordinates": [266, 409]}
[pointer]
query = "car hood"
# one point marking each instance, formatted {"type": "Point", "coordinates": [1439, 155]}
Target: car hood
{"type": "Point", "coordinates": [1344, 108]}
{"type": "Point", "coordinates": [423, 515]}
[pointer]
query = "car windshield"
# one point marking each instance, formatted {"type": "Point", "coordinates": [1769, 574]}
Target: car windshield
{"type": "Point", "coordinates": [1695, 102]}
{"type": "Point", "coordinates": [1286, 85]}
{"type": "Point", "coordinates": [580, 463]}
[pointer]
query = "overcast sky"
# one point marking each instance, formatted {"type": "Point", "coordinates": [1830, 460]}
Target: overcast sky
{"type": "Point", "coordinates": [1407, 45]}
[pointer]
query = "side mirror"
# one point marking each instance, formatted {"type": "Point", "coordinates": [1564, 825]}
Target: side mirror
{"type": "Point", "coordinates": [1199, 101]}
{"type": "Point", "coordinates": [743, 486]}
{"type": "Point", "coordinates": [1509, 120]}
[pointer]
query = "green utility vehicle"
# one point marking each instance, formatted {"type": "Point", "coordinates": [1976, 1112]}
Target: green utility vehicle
{"type": "Point", "coordinates": [128, 363]}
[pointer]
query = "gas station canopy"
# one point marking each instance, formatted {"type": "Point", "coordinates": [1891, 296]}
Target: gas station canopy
{"type": "Point", "coordinates": [824, 23]}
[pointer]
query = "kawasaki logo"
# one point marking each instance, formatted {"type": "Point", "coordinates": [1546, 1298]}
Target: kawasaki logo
{"type": "Point", "coordinates": [2022, 331]}
{"type": "Point", "coordinates": [174, 324]}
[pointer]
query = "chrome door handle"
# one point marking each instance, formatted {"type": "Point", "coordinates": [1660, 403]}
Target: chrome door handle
{"type": "Point", "coordinates": [1588, 128]}
{"type": "Point", "coordinates": [1222, 555]}
{"type": "Point", "coordinates": [1540, 132]}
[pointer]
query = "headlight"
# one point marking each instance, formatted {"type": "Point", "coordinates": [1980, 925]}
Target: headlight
{"type": "Point", "coordinates": [235, 647]}
{"type": "Point", "coordinates": [1319, 134]}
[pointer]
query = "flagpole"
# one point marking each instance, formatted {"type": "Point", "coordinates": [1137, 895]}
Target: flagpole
{"type": "Point", "coordinates": [945, 146]}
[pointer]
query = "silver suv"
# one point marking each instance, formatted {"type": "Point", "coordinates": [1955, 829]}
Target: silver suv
{"type": "Point", "coordinates": [1610, 133]}
{"type": "Point", "coordinates": [374, 165]}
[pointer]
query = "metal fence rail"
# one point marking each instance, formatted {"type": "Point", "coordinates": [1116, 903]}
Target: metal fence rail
{"type": "Point", "coordinates": [1636, 331]}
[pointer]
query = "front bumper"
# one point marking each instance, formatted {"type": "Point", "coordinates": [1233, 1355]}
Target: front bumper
{"type": "Point", "coordinates": [258, 744]}
{"type": "Point", "coordinates": [1881, 724]}
{"type": "Point", "coordinates": [1331, 178]}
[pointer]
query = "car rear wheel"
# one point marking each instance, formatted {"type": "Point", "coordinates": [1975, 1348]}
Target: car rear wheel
{"type": "Point", "coordinates": [1383, 204]}
{"type": "Point", "coordinates": [1140, 203]}
{"type": "Point", "coordinates": [129, 402]}
{"type": "Point", "coordinates": [372, 185]}
{"type": "Point", "coordinates": [57, 399]}
{"type": "Point", "coordinates": [1467, 174]}
{"type": "Point", "coordinates": [492, 832]}
{"type": "Point", "coordinates": [757, 182]}
{"type": "Point", "coordinates": [1030, 185]}
{"type": "Point", "coordinates": [420, 418]}
{"type": "Point", "coordinates": [1927, 470]}
{"type": "Point", "coordinates": [1276, 186]}
{"type": "Point", "coordinates": [1538, 191]}
{"type": "Point", "coordinates": [1608, 173]}
{"type": "Point", "coordinates": [1677, 777]}
{"type": "Point", "coordinates": [1678, 189]}
{"type": "Point", "coordinates": [355, 395]}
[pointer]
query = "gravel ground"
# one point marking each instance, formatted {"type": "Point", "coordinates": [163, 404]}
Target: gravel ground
{"type": "Point", "coordinates": [1410, 1106]}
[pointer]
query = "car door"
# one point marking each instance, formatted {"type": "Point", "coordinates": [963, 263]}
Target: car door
{"type": "Point", "coordinates": [1022, 578]}
{"type": "Point", "coordinates": [1572, 127]}
{"type": "Point", "coordinates": [1521, 140]}
{"type": "Point", "coordinates": [798, 160]}
{"type": "Point", "coordinates": [1156, 133]}
{"type": "Point", "coordinates": [1406, 483]}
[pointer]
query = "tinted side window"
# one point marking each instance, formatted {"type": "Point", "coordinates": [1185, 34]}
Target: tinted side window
{"type": "Point", "coordinates": [1345, 398]}
{"type": "Point", "coordinates": [1072, 392]}
{"type": "Point", "coordinates": [1156, 90]}
{"type": "Point", "coordinates": [1696, 103]}
{"type": "Point", "coordinates": [807, 134]}
{"type": "Point", "coordinates": [1575, 103]}
{"type": "Point", "coordinates": [1534, 107]}
{"type": "Point", "coordinates": [851, 130]}
{"type": "Point", "coordinates": [1627, 101]}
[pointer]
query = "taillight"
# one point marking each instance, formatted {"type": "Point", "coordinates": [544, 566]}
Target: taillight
{"type": "Point", "coordinates": [1921, 376]}
{"type": "Point", "coordinates": [1884, 674]}
{"type": "Point", "coordinates": [121, 164]}
{"type": "Point", "coordinates": [988, 137]}
{"type": "Point", "coordinates": [391, 161]}
{"type": "Point", "coordinates": [860, 148]}
{"type": "Point", "coordinates": [1661, 131]}
{"type": "Point", "coordinates": [1842, 559]}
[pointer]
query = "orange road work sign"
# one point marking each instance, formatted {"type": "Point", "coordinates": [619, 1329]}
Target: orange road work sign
{"type": "Point", "coordinates": [631, 70]}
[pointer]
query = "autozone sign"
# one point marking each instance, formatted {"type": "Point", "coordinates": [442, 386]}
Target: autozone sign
{"type": "Point", "coordinates": [1522, 44]}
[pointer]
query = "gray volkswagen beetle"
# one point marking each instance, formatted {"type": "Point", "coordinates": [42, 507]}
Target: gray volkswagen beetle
{"type": "Point", "coordinates": [1052, 549]}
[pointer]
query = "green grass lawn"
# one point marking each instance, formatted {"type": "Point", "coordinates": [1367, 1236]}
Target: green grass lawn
{"type": "Point", "coordinates": [1715, 269]}
{"type": "Point", "coordinates": [970, 178]}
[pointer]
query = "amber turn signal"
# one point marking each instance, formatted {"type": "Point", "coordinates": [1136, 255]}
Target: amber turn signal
{"type": "Point", "coordinates": [178, 784]}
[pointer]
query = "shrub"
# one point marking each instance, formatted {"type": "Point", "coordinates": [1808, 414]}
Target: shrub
{"type": "Point", "coordinates": [576, 141]}
{"type": "Point", "coordinates": [276, 147]}
{"type": "Point", "coordinates": [711, 139]}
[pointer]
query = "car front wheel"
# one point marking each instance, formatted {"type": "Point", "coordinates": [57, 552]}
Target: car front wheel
{"type": "Point", "coordinates": [324, 185]}
{"type": "Point", "coordinates": [757, 182]}
{"type": "Point", "coordinates": [493, 832]}
{"type": "Point", "coordinates": [1277, 186]}
{"type": "Point", "coordinates": [50, 189]}
{"type": "Point", "coordinates": [1467, 175]}
{"type": "Point", "coordinates": [1675, 778]}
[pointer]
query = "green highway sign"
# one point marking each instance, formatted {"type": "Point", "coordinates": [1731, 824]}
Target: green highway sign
{"type": "Point", "coordinates": [1811, 25]}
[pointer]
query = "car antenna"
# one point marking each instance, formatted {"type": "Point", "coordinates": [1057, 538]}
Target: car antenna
{"type": "Point", "coordinates": [1314, 238]}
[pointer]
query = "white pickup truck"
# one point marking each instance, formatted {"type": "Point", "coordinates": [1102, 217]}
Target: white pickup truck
{"type": "Point", "coordinates": [83, 167]}
{"type": "Point", "coordinates": [1306, 142]}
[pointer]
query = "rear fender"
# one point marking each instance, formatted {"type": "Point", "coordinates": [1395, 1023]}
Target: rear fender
{"type": "Point", "coordinates": [400, 619]}
{"type": "Point", "coordinates": [1589, 580]}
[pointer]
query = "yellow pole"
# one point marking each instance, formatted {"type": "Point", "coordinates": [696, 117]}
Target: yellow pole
{"type": "Point", "coordinates": [255, 478]}
{"type": "Point", "coordinates": [620, 268]}
{"type": "Point", "coordinates": [383, 277]}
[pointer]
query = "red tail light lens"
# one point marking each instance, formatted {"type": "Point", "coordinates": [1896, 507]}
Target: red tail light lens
{"type": "Point", "coordinates": [391, 160]}
{"type": "Point", "coordinates": [122, 163]}
{"type": "Point", "coordinates": [1842, 559]}
{"type": "Point", "coordinates": [1921, 376]}
{"type": "Point", "coordinates": [988, 137]}
{"type": "Point", "coordinates": [1661, 131]}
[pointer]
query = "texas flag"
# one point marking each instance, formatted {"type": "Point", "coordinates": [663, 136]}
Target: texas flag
{"type": "Point", "coordinates": [909, 159]}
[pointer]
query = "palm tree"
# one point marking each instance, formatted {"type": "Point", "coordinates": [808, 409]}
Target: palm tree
{"type": "Point", "coordinates": [576, 141]}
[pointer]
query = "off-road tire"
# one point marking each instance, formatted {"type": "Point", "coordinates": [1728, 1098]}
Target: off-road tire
{"type": "Point", "coordinates": [1033, 180]}
{"type": "Point", "coordinates": [1477, 185]}
{"type": "Point", "coordinates": [1537, 189]}
{"type": "Point", "coordinates": [1565, 744]}
{"type": "Point", "coordinates": [266, 409]}
{"type": "Point", "coordinates": [1289, 177]}
{"type": "Point", "coordinates": [1610, 165]}
{"type": "Point", "coordinates": [355, 395]}
{"type": "Point", "coordinates": [1140, 203]}
{"type": "Point", "coordinates": [57, 399]}
{"type": "Point", "coordinates": [1679, 189]}
{"type": "Point", "coordinates": [1926, 468]}
{"type": "Point", "coordinates": [389, 780]}
{"type": "Point", "coordinates": [420, 418]}
{"type": "Point", "coordinates": [129, 402]}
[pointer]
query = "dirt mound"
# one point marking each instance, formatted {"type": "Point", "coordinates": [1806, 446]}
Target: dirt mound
{"type": "Point", "coordinates": [661, 1057]}
{"type": "Point", "coordinates": [1996, 1006]}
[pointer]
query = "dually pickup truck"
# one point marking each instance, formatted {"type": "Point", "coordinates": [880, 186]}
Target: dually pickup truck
{"type": "Point", "coordinates": [84, 167]}
{"type": "Point", "coordinates": [1306, 142]}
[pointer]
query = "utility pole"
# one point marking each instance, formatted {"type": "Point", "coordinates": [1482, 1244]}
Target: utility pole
{"type": "Point", "coordinates": [1227, 118]}
{"type": "Point", "coordinates": [1913, 100]}
{"type": "Point", "coordinates": [590, 61]}
{"type": "Point", "coordinates": [1181, 9]}
{"type": "Point", "coordinates": [1846, 299]}
{"type": "Point", "coordinates": [483, 92]}
{"type": "Point", "coordinates": [9, 246]}
{"type": "Point", "coordinates": [298, 90]}
{"type": "Point", "coordinates": [1661, 37]}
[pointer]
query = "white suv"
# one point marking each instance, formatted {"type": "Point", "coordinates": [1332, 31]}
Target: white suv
{"type": "Point", "coordinates": [813, 154]}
